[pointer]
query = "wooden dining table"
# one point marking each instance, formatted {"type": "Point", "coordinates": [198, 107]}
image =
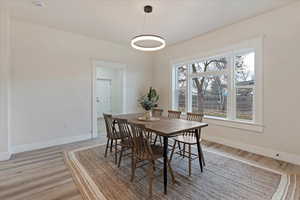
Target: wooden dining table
{"type": "Point", "coordinates": [167, 128]}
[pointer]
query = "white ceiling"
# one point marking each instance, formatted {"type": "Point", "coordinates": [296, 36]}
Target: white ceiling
{"type": "Point", "coordinates": [120, 20]}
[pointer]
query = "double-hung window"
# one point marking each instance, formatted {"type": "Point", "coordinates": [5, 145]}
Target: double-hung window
{"type": "Point", "coordinates": [244, 85]}
{"type": "Point", "coordinates": [221, 86]}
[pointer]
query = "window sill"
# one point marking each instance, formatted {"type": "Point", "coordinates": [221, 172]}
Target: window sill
{"type": "Point", "coordinates": [250, 126]}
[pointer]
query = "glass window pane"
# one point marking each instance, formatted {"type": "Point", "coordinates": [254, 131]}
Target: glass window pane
{"type": "Point", "coordinates": [209, 95]}
{"type": "Point", "coordinates": [181, 100]}
{"type": "Point", "coordinates": [181, 85]}
{"type": "Point", "coordinates": [244, 103]}
{"type": "Point", "coordinates": [244, 69]}
{"type": "Point", "coordinates": [211, 65]}
{"type": "Point", "coordinates": [181, 75]}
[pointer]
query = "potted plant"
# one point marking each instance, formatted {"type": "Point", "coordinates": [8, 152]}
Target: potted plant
{"type": "Point", "coordinates": [149, 101]}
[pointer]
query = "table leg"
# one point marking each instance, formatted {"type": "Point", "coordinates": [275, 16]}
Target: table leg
{"type": "Point", "coordinates": [165, 164]}
{"type": "Point", "coordinates": [198, 147]}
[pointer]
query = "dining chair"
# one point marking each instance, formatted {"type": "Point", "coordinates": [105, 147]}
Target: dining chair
{"type": "Point", "coordinates": [157, 112]}
{"type": "Point", "coordinates": [125, 137]}
{"type": "Point", "coordinates": [173, 114]}
{"type": "Point", "coordinates": [189, 138]}
{"type": "Point", "coordinates": [112, 135]}
{"type": "Point", "coordinates": [143, 150]}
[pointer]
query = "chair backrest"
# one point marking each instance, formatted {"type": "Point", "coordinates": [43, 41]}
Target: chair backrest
{"type": "Point", "coordinates": [156, 112]}
{"type": "Point", "coordinates": [124, 129]}
{"type": "Point", "coordinates": [141, 142]}
{"type": "Point", "coordinates": [173, 114]}
{"type": "Point", "coordinates": [110, 129]}
{"type": "Point", "coordinates": [194, 117]}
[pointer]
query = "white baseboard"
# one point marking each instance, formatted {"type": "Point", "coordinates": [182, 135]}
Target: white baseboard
{"type": "Point", "coordinates": [4, 156]}
{"type": "Point", "coordinates": [283, 156]}
{"type": "Point", "coordinates": [40, 145]}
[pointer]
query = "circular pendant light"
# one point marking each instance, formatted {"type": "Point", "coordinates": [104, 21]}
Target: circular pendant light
{"type": "Point", "coordinates": [148, 42]}
{"type": "Point", "coordinates": [135, 42]}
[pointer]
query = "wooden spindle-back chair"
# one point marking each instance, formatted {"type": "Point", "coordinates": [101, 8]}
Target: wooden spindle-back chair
{"type": "Point", "coordinates": [112, 134]}
{"type": "Point", "coordinates": [173, 114]}
{"type": "Point", "coordinates": [125, 136]}
{"type": "Point", "coordinates": [189, 138]}
{"type": "Point", "coordinates": [156, 112]}
{"type": "Point", "coordinates": [143, 150]}
{"type": "Point", "coordinates": [194, 117]}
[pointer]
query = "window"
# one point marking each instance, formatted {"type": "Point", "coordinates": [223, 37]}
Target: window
{"type": "Point", "coordinates": [244, 85]}
{"type": "Point", "coordinates": [209, 86]}
{"type": "Point", "coordinates": [181, 87]}
{"type": "Point", "coordinates": [222, 87]}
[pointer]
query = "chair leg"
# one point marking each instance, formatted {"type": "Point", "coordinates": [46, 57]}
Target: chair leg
{"type": "Point", "coordinates": [190, 160]}
{"type": "Point", "coordinates": [107, 145]}
{"type": "Point", "coordinates": [120, 156]}
{"type": "Point", "coordinates": [171, 172]}
{"type": "Point", "coordinates": [155, 139]}
{"type": "Point", "coordinates": [180, 152]}
{"type": "Point", "coordinates": [150, 171]}
{"type": "Point", "coordinates": [202, 156]}
{"type": "Point", "coordinates": [153, 163]}
{"type": "Point", "coordinates": [133, 166]}
{"type": "Point", "coordinates": [173, 149]}
{"type": "Point", "coordinates": [111, 145]}
{"type": "Point", "coordinates": [160, 141]}
{"type": "Point", "coordinates": [183, 150]}
{"type": "Point", "coordinates": [116, 149]}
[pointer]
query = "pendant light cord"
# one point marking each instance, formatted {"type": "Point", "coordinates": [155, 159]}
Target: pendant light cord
{"type": "Point", "coordinates": [143, 30]}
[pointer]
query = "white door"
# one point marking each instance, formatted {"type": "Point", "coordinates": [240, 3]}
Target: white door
{"type": "Point", "coordinates": [103, 97]}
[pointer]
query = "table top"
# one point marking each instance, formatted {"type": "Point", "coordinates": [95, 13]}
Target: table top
{"type": "Point", "coordinates": [164, 126]}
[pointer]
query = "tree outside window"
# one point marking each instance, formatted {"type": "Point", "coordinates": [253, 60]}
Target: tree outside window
{"type": "Point", "coordinates": [207, 86]}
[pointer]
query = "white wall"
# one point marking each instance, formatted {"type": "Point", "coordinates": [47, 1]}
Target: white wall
{"type": "Point", "coordinates": [51, 82]}
{"type": "Point", "coordinates": [4, 82]}
{"type": "Point", "coordinates": [281, 29]}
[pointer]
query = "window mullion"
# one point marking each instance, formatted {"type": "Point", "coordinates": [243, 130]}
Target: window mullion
{"type": "Point", "coordinates": [187, 95]}
{"type": "Point", "coordinates": [187, 90]}
{"type": "Point", "coordinates": [207, 74]}
{"type": "Point", "coordinates": [254, 110]}
{"type": "Point", "coordinates": [245, 87]}
{"type": "Point", "coordinates": [232, 93]}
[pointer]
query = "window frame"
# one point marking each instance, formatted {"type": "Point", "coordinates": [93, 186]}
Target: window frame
{"type": "Point", "coordinates": [235, 87]}
{"type": "Point", "coordinates": [254, 45]}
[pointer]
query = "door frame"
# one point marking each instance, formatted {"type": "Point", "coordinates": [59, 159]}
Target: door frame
{"type": "Point", "coordinates": [97, 63]}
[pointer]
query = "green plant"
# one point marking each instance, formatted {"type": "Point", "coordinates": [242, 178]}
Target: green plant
{"type": "Point", "coordinates": [150, 100]}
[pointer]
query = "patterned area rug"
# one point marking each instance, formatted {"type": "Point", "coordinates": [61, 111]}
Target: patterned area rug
{"type": "Point", "coordinates": [224, 178]}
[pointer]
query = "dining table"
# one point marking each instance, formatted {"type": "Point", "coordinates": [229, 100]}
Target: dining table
{"type": "Point", "coordinates": [167, 128]}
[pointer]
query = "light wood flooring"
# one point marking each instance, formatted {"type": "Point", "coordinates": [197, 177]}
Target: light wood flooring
{"type": "Point", "coordinates": [39, 175]}
{"type": "Point", "coordinates": [43, 174]}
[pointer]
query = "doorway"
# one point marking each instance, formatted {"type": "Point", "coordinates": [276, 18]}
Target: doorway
{"type": "Point", "coordinates": [108, 94]}
{"type": "Point", "coordinates": [103, 97]}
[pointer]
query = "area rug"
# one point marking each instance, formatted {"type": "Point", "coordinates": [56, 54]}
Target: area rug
{"type": "Point", "coordinates": [224, 178]}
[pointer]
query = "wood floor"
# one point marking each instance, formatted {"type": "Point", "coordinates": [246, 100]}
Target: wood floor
{"type": "Point", "coordinates": [39, 175]}
{"type": "Point", "coordinates": [42, 174]}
